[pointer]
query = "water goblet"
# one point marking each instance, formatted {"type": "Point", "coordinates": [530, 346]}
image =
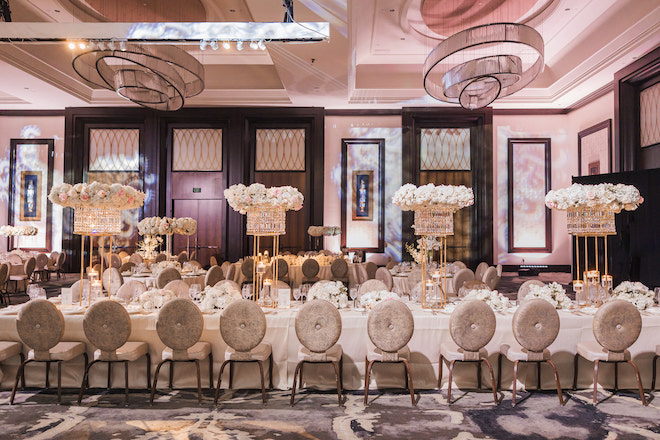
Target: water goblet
{"type": "Point", "coordinates": [353, 292]}
{"type": "Point", "coordinates": [296, 293]}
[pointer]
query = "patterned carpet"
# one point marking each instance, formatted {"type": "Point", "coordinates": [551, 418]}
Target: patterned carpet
{"type": "Point", "coordinates": [316, 416]}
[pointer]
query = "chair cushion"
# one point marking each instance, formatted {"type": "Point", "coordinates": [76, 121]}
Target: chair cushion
{"type": "Point", "coordinates": [333, 354]}
{"type": "Point", "coordinates": [378, 355]}
{"type": "Point", "coordinates": [243, 325]}
{"type": "Point", "coordinates": [472, 325]}
{"type": "Point", "coordinates": [452, 352]}
{"type": "Point", "coordinates": [130, 351]}
{"type": "Point", "coordinates": [258, 353]}
{"type": "Point", "coordinates": [63, 351]}
{"type": "Point", "coordinates": [198, 351]}
{"type": "Point", "coordinates": [593, 351]}
{"type": "Point", "coordinates": [536, 324]}
{"type": "Point", "coordinates": [9, 349]}
{"type": "Point", "coordinates": [318, 325]}
{"type": "Point", "coordinates": [514, 352]}
{"type": "Point", "coordinates": [390, 325]}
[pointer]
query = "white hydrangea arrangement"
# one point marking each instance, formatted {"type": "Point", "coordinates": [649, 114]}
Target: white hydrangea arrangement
{"type": "Point", "coordinates": [318, 231]}
{"type": "Point", "coordinates": [331, 291]}
{"type": "Point", "coordinates": [554, 293]}
{"type": "Point", "coordinates": [604, 196]}
{"type": "Point", "coordinates": [216, 298]}
{"type": "Point", "coordinates": [156, 226]}
{"type": "Point", "coordinates": [185, 225]}
{"type": "Point", "coordinates": [370, 299]}
{"type": "Point", "coordinates": [411, 198]}
{"type": "Point", "coordinates": [493, 298]}
{"type": "Point", "coordinates": [96, 194]}
{"type": "Point", "coordinates": [432, 244]}
{"type": "Point", "coordinates": [18, 230]}
{"type": "Point", "coordinates": [154, 298]}
{"type": "Point", "coordinates": [162, 265]}
{"type": "Point", "coordinates": [634, 292]}
{"type": "Point", "coordinates": [243, 198]}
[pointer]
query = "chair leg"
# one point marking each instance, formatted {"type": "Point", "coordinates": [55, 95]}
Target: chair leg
{"type": "Point", "coordinates": [595, 381]}
{"type": "Point", "coordinates": [339, 384]}
{"type": "Point", "coordinates": [59, 381]}
{"type": "Point", "coordinates": [109, 374]}
{"type": "Point", "coordinates": [478, 375]}
{"type": "Point", "coordinates": [263, 380]}
{"type": "Point", "coordinates": [538, 376]}
{"type": "Point", "coordinates": [23, 375]}
{"type": "Point", "coordinates": [575, 371]}
{"type": "Point", "coordinates": [155, 385]}
{"type": "Point", "coordinates": [515, 383]}
{"type": "Point", "coordinates": [126, 380]}
{"type": "Point", "coordinates": [270, 372]}
{"type": "Point", "coordinates": [295, 377]}
{"type": "Point", "coordinates": [84, 381]}
{"type": "Point", "coordinates": [492, 378]}
{"type": "Point", "coordinates": [171, 374]}
{"type": "Point", "coordinates": [199, 381]}
{"type": "Point", "coordinates": [367, 376]}
{"type": "Point", "coordinates": [341, 371]}
{"type": "Point", "coordinates": [300, 378]}
{"type": "Point", "coordinates": [440, 373]}
{"type": "Point", "coordinates": [554, 370]}
{"type": "Point", "coordinates": [231, 375]}
{"type": "Point", "coordinates": [616, 377]}
{"type": "Point", "coordinates": [639, 382]}
{"type": "Point", "coordinates": [217, 388]}
{"type": "Point", "coordinates": [148, 356]}
{"type": "Point", "coordinates": [451, 373]}
{"type": "Point", "coordinates": [499, 371]}
{"type": "Point", "coordinates": [47, 375]}
{"type": "Point", "coordinates": [655, 359]}
{"type": "Point", "coordinates": [211, 370]}
{"type": "Point", "coordinates": [20, 373]}
{"type": "Point", "coordinates": [410, 382]}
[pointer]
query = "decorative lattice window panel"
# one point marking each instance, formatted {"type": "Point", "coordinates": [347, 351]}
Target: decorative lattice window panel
{"type": "Point", "coordinates": [114, 149]}
{"type": "Point", "coordinates": [280, 149]}
{"type": "Point", "coordinates": [197, 149]}
{"type": "Point", "coordinates": [649, 115]}
{"type": "Point", "coordinates": [445, 149]}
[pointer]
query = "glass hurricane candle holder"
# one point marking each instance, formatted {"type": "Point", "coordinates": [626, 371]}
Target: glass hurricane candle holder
{"type": "Point", "coordinates": [580, 294]}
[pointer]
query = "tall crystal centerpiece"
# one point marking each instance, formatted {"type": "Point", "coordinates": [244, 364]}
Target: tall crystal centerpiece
{"type": "Point", "coordinates": [590, 218]}
{"type": "Point", "coordinates": [265, 209]}
{"type": "Point", "coordinates": [434, 208]}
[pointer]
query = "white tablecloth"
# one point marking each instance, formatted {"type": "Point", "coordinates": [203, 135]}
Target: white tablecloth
{"type": "Point", "coordinates": [150, 280]}
{"type": "Point", "coordinates": [431, 329]}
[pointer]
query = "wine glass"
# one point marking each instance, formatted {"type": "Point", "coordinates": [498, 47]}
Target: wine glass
{"type": "Point", "coordinates": [353, 292]}
{"type": "Point", "coordinates": [193, 292]}
{"type": "Point", "coordinates": [296, 293]}
{"type": "Point", "coordinates": [246, 291]}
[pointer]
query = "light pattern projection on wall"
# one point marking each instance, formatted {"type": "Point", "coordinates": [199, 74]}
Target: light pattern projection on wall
{"type": "Point", "coordinates": [280, 149]}
{"type": "Point", "coordinates": [197, 149]}
{"type": "Point", "coordinates": [649, 115]}
{"type": "Point", "coordinates": [594, 149]}
{"type": "Point", "coordinates": [112, 149]}
{"type": "Point", "coordinates": [392, 136]}
{"type": "Point", "coordinates": [528, 195]}
{"type": "Point", "coordinates": [445, 149]}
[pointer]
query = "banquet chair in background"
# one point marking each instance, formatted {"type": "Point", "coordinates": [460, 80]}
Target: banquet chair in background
{"type": "Point", "coordinates": [380, 260]}
{"type": "Point", "coordinates": [282, 270]}
{"type": "Point", "coordinates": [310, 270]}
{"type": "Point", "coordinates": [160, 257]}
{"type": "Point", "coordinates": [361, 272]}
{"type": "Point", "coordinates": [232, 272]}
{"type": "Point", "coordinates": [225, 269]}
{"type": "Point", "coordinates": [481, 269]}
{"type": "Point", "coordinates": [113, 260]}
{"type": "Point", "coordinates": [390, 264]}
{"type": "Point", "coordinates": [135, 258]}
{"type": "Point", "coordinates": [127, 267]}
{"type": "Point", "coordinates": [229, 283]}
{"type": "Point", "coordinates": [318, 327]}
{"type": "Point", "coordinates": [167, 275]}
{"type": "Point", "coordinates": [498, 268]}
{"type": "Point", "coordinates": [40, 326]}
{"type": "Point", "coordinates": [22, 275]}
{"type": "Point", "coordinates": [371, 269]}
{"type": "Point", "coordinates": [77, 291]}
{"type": "Point", "coordinates": [535, 326]}
{"type": "Point", "coordinates": [491, 278]}
{"type": "Point", "coordinates": [14, 259]}
{"type": "Point", "coordinates": [339, 271]}
{"type": "Point", "coordinates": [371, 286]}
{"type": "Point", "coordinates": [112, 280]}
{"type": "Point", "coordinates": [213, 261]}
{"type": "Point", "coordinates": [460, 277]}
{"type": "Point", "coordinates": [390, 326]}
{"type": "Point", "coordinates": [4, 277]}
{"type": "Point", "coordinates": [458, 265]}
{"type": "Point", "coordinates": [194, 264]}
{"type": "Point", "coordinates": [179, 326]}
{"type": "Point", "coordinates": [107, 327]}
{"type": "Point", "coordinates": [213, 276]}
{"type": "Point", "coordinates": [40, 273]}
{"type": "Point", "coordinates": [180, 288]}
{"type": "Point", "coordinates": [54, 264]}
{"type": "Point", "coordinates": [182, 257]}
{"type": "Point", "coordinates": [616, 326]}
{"type": "Point", "coordinates": [131, 289]}
{"type": "Point", "coordinates": [247, 266]}
{"type": "Point", "coordinates": [243, 327]}
{"type": "Point", "coordinates": [384, 275]}
{"type": "Point", "coordinates": [471, 327]}
{"type": "Point", "coordinates": [523, 290]}
{"type": "Point", "coordinates": [123, 254]}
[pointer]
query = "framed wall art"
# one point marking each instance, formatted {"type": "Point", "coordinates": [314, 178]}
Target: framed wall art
{"type": "Point", "coordinates": [595, 149]}
{"type": "Point", "coordinates": [363, 195]}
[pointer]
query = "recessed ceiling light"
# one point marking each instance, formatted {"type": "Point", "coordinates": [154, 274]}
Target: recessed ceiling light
{"type": "Point", "coordinates": [72, 46]}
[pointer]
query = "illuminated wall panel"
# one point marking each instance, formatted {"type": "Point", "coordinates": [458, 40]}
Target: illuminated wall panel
{"type": "Point", "coordinates": [197, 149]}
{"type": "Point", "coordinates": [280, 149]}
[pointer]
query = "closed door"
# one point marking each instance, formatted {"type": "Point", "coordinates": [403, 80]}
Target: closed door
{"type": "Point", "coordinates": [208, 238]}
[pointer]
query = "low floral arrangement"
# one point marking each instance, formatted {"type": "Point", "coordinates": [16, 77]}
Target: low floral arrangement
{"type": "Point", "coordinates": [18, 230]}
{"type": "Point", "coordinates": [432, 244]}
{"type": "Point", "coordinates": [213, 298]}
{"type": "Point", "coordinates": [167, 226]}
{"type": "Point", "coordinates": [154, 298]}
{"type": "Point", "coordinates": [147, 247]}
{"type": "Point", "coordinates": [554, 293]}
{"type": "Point", "coordinates": [493, 298]}
{"type": "Point", "coordinates": [634, 292]}
{"type": "Point", "coordinates": [318, 231]}
{"type": "Point", "coordinates": [185, 225]}
{"type": "Point", "coordinates": [332, 291]}
{"type": "Point", "coordinates": [98, 195]}
{"type": "Point", "coordinates": [411, 198]}
{"type": "Point", "coordinates": [243, 198]}
{"type": "Point", "coordinates": [370, 299]}
{"type": "Point", "coordinates": [162, 265]}
{"type": "Point", "coordinates": [604, 196]}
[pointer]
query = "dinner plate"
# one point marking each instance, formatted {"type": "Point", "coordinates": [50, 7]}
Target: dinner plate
{"type": "Point", "coordinates": [142, 275]}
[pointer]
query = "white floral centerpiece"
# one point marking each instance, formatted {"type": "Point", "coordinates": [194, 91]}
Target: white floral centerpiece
{"type": "Point", "coordinates": [98, 195]}
{"type": "Point", "coordinates": [554, 293]}
{"type": "Point", "coordinates": [493, 298]}
{"type": "Point", "coordinates": [156, 226]}
{"type": "Point", "coordinates": [244, 198]}
{"type": "Point", "coordinates": [318, 231]}
{"type": "Point", "coordinates": [216, 298]}
{"type": "Point", "coordinates": [8, 230]}
{"type": "Point", "coordinates": [154, 298]}
{"type": "Point", "coordinates": [411, 198]}
{"type": "Point", "coordinates": [162, 265]}
{"type": "Point", "coordinates": [332, 291]}
{"type": "Point", "coordinates": [604, 196]}
{"type": "Point", "coordinates": [370, 299]}
{"type": "Point", "coordinates": [185, 225]}
{"type": "Point", "coordinates": [432, 244]}
{"type": "Point", "coordinates": [147, 247]}
{"type": "Point", "coordinates": [634, 292]}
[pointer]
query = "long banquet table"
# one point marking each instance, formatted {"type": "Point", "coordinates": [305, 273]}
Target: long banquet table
{"type": "Point", "coordinates": [296, 275]}
{"type": "Point", "coordinates": [430, 330]}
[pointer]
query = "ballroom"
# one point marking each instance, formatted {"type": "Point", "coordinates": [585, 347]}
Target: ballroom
{"type": "Point", "coordinates": [329, 219]}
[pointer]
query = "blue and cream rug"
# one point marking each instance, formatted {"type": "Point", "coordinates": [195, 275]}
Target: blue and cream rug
{"type": "Point", "coordinates": [241, 415]}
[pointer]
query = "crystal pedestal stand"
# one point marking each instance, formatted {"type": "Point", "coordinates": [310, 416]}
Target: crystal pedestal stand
{"type": "Point", "coordinates": [265, 222]}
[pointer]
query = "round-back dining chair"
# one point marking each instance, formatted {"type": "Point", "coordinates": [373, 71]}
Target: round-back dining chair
{"type": "Point", "coordinates": [213, 276]}
{"type": "Point", "coordinates": [167, 275]}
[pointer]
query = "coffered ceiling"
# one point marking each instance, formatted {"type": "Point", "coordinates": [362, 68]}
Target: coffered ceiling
{"type": "Point", "coordinates": [373, 59]}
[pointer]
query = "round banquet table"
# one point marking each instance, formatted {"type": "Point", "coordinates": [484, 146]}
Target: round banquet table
{"type": "Point", "coordinates": [431, 328]}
